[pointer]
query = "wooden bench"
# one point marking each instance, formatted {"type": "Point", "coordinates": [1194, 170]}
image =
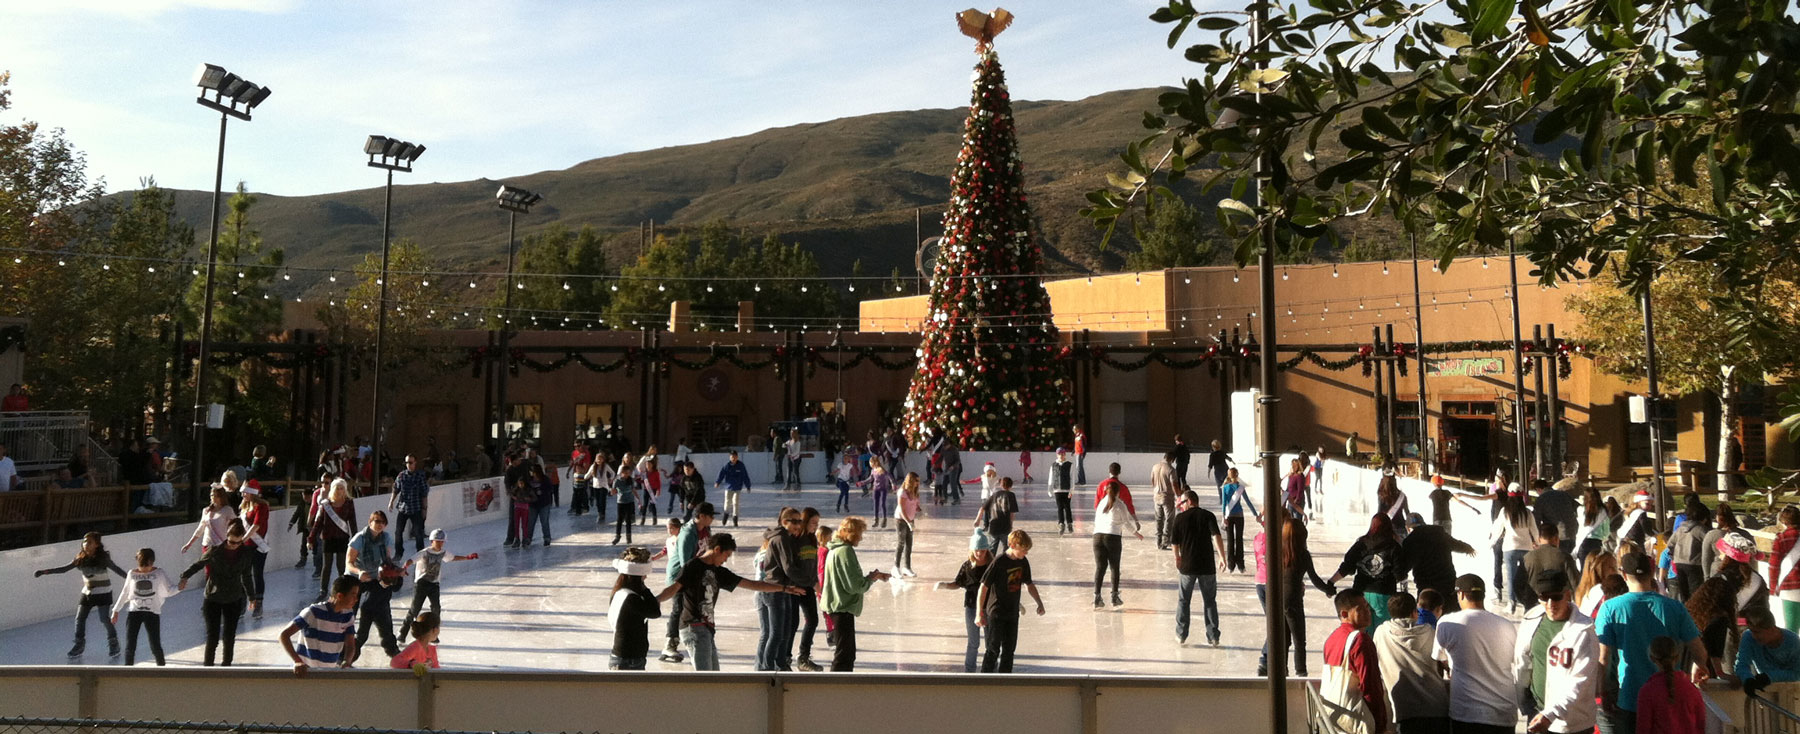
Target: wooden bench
{"type": "Point", "coordinates": [38, 516]}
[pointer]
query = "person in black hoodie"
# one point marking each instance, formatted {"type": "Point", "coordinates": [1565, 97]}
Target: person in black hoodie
{"type": "Point", "coordinates": [633, 606]}
{"type": "Point", "coordinates": [1426, 551]}
{"type": "Point", "coordinates": [228, 583]}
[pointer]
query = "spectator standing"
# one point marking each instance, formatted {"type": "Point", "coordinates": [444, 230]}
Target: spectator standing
{"type": "Point", "coordinates": [1670, 703]}
{"type": "Point", "coordinates": [1548, 555]}
{"type": "Point", "coordinates": [1556, 661]}
{"type": "Point", "coordinates": [1352, 680]}
{"type": "Point", "coordinates": [16, 401]}
{"type": "Point", "coordinates": [1627, 625]}
{"type": "Point", "coordinates": [1479, 645]}
{"type": "Point", "coordinates": [1766, 654]}
{"type": "Point", "coordinates": [1415, 679]}
{"type": "Point", "coordinates": [1194, 535]}
{"type": "Point", "coordinates": [1784, 566]}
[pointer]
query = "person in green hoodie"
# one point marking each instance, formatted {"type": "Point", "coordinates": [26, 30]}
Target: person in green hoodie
{"type": "Point", "coordinates": [845, 584]}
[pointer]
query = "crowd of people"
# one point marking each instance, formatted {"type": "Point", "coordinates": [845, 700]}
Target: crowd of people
{"type": "Point", "coordinates": [1584, 621]}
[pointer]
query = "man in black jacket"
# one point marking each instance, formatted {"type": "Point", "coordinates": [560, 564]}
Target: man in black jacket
{"type": "Point", "coordinates": [1426, 551]}
{"type": "Point", "coordinates": [1181, 455]}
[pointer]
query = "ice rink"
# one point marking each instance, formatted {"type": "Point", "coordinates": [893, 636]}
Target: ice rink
{"type": "Point", "coordinates": [544, 608]}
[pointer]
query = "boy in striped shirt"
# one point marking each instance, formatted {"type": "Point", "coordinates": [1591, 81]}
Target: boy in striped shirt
{"type": "Point", "coordinates": [325, 629]}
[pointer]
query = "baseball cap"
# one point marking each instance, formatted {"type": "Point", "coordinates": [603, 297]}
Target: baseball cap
{"type": "Point", "coordinates": [1550, 581]}
{"type": "Point", "coordinates": [705, 508]}
{"type": "Point", "coordinates": [437, 534]}
{"type": "Point", "coordinates": [1414, 519]}
{"type": "Point", "coordinates": [1469, 582]}
{"type": "Point", "coordinates": [1636, 564]}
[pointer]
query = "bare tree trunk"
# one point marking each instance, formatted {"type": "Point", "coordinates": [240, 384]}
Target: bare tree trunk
{"type": "Point", "coordinates": [1727, 426]}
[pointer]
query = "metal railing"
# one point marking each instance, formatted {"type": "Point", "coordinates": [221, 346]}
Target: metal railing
{"type": "Point", "coordinates": [42, 440]}
{"type": "Point", "coordinates": [9, 725]}
{"type": "Point", "coordinates": [1764, 715]}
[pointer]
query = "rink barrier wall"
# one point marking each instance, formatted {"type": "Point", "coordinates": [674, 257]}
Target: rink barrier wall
{"type": "Point", "coordinates": [735, 703]}
{"type": "Point", "coordinates": [33, 600]}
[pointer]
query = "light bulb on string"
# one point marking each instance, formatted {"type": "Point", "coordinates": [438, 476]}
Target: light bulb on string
{"type": "Point", "coordinates": [758, 290]}
{"type": "Point", "coordinates": [1384, 270]}
{"type": "Point", "coordinates": [105, 267]}
{"type": "Point", "coordinates": [471, 284]}
{"type": "Point", "coordinates": [709, 288]}
{"type": "Point", "coordinates": [1234, 277]}
{"type": "Point", "coordinates": [1284, 275]}
{"type": "Point", "coordinates": [519, 286]}
{"type": "Point", "coordinates": [565, 285]}
{"type": "Point", "coordinates": [1334, 271]}
{"type": "Point", "coordinates": [333, 278]}
{"type": "Point", "coordinates": [659, 288]}
{"type": "Point", "coordinates": [286, 276]}
{"type": "Point", "coordinates": [615, 287]}
{"type": "Point", "coordinates": [150, 269]}
{"type": "Point", "coordinates": [852, 288]}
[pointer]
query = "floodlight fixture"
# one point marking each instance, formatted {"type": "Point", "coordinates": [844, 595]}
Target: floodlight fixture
{"type": "Point", "coordinates": [392, 154]}
{"type": "Point", "coordinates": [514, 199]}
{"type": "Point", "coordinates": [230, 94]}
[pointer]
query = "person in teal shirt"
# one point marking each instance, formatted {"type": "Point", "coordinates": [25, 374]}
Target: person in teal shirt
{"type": "Point", "coordinates": [1626, 625]}
{"type": "Point", "coordinates": [1767, 653]}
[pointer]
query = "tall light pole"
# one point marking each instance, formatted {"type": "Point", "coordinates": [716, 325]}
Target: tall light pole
{"type": "Point", "coordinates": [515, 201]}
{"type": "Point", "coordinates": [1425, 457]}
{"type": "Point", "coordinates": [232, 96]}
{"type": "Point", "coordinates": [393, 155]}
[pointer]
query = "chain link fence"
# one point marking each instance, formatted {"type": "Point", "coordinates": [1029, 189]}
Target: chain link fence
{"type": "Point", "coordinates": [125, 726]}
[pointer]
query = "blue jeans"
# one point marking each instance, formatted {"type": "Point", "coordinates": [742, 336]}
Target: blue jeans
{"type": "Point", "coordinates": [698, 639]}
{"type": "Point", "coordinates": [776, 645]}
{"type": "Point", "coordinates": [537, 517]}
{"type": "Point", "coordinates": [1081, 468]}
{"type": "Point", "coordinates": [1515, 567]}
{"type": "Point", "coordinates": [417, 520]}
{"type": "Point", "coordinates": [972, 651]}
{"type": "Point", "coordinates": [1209, 588]}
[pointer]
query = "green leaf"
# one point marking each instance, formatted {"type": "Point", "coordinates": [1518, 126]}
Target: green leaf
{"type": "Point", "coordinates": [1215, 23]}
{"type": "Point", "coordinates": [1454, 38]}
{"type": "Point", "coordinates": [1490, 19]}
{"type": "Point", "coordinates": [1355, 138]}
{"type": "Point", "coordinates": [1262, 80]}
{"type": "Point", "coordinates": [1347, 171]}
{"type": "Point", "coordinates": [1377, 120]}
{"type": "Point", "coordinates": [1206, 53]}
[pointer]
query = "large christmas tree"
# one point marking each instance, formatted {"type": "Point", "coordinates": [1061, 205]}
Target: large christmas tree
{"type": "Point", "coordinates": [990, 374]}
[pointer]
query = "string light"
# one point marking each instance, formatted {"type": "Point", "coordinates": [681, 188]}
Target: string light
{"type": "Point", "coordinates": [1384, 270]}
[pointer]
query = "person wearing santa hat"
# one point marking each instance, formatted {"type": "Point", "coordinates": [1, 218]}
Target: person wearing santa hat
{"type": "Point", "coordinates": [1638, 523]}
{"type": "Point", "coordinates": [990, 480]}
{"type": "Point", "coordinates": [632, 607]}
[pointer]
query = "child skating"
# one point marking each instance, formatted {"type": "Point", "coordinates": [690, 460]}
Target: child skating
{"type": "Point", "coordinates": [94, 563]}
{"type": "Point", "coordinates": [999, 605]}
{"type": "Point", "coordinates": [426, 583]}
{"type": "Point", "coordinates": [968, 578]}
{"type": "Point", "coordinates": [422, 654]}
{"type": "Point", "coordinates": [630, 610]}
{"type": "Point", "coordinates": [146, 587]}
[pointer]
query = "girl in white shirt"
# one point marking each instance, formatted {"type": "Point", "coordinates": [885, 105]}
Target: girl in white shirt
{"type": "Point", "coordinates": [213, 521]}
{"type": "Point", "coordinates": [142, 600]}
{"type": "Point", "coordinates": [1112, 516]}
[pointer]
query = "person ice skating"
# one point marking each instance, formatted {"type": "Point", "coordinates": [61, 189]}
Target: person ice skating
{"type": "Point", "coordinates": [630, 610]}
{"type": "Point", "coordinates": [1295, 562]}
{"type": "Point", "coordinates": [543, 488]}
{"type": "Point", "coordinates": [228, 584]}
{"type": "Point", "coordinates": [686, 546]}
{"type": "Point", "coordinates": [1060, 485]}
{"type": "Point", "coordinates": [94, 563]}
{"type": "Point", "coordinates": [649, 476]}
{"type": "Point", "coordinates": [422, 653]}
{"type": "Point", "coordinates": [883, 483]}
{"type": "Point", "coordinates": [906, 520]}
{"type": "Point", "coordinates": [843, 588]}
{"type": "Point", "coordinates": [1164, 488]}
{"type": "Point", "coordinates": [998, 606]}
{"type": "Point", "coordinates": [325, 628]}
{"type": "Point", "coordinates": [1557, 664]}
{"type": "Point", "coordinates": [989, 479]}
{"type": "Point", "coordinates": [210, 531]}
{"type": "Point", "coordinates": [428, 577]}
{"type": "Point", "coordinates": [1113, 515]}
{"type": "Point", "coordinates": [334, 521]}
{"type": "Point", "coordinates": [968, 578]}
{"type": "Point", "coordinates": [625, 491]}
{"type": "Point", "coordinates": [997, 511]}
{"type": "Point", "coordinates": [371, 550]}
{"type": "Point", "coordinates": [412, 492]}
{"type": "Point", "coordinates": [1025, 465]}
{"type": "Point", "coordinates": [805, 617]}
{"type": "Point", "coordinates": [581, 464]}
{"type": "Point", "coordinates": [1194, 534]}
{"type": "Point", "coordinates": [255, 512]}
{"type": "Point", "coordinates": [1081, 451]}
{"type": "Point", "coordinates": [524, 493]}
{"type": "Point", "coordinates": [950, 473]}
{"type": "Point", "coordinates": [1352, 683]}
{"type": "Point", "coordinates": [795, 448]}
{"type": "Point", "coordinates": [1233, 498]}
{"type": "Point", "coordinates": [1374, 559]}
{"type": "Point", "coordinates": [1294, 493]}
{"type": "Point", "coordinates": [1218, 462]}
{"type": "Point", "coordinates": [1426, 551]}
{"type": "Point", "coordinates": [146, 587]}
{"type": "Point", "coordinates": [692, 489]}
{"type": "Point", "coordinates": [845, 474]}
{"type": "Point", "coordinates": [736, 478]}
{"type": "Point", "coordinates": [699, 587]}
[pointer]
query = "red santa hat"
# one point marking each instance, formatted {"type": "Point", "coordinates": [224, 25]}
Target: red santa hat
{"type": "Point", "coordinates": [1640, 497]}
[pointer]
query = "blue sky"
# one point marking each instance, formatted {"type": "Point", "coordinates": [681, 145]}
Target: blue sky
{"type": "Point", "coordinates": [508, 87]}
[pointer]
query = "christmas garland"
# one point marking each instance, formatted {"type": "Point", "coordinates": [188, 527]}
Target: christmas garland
{"type": "Point", "coordinates": [12, 336]}
{"type": "Point", "coordinates": [519, 358]}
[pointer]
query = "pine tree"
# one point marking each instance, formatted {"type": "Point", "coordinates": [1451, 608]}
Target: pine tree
{"type": "Point", "coordinates": [989, 374]}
